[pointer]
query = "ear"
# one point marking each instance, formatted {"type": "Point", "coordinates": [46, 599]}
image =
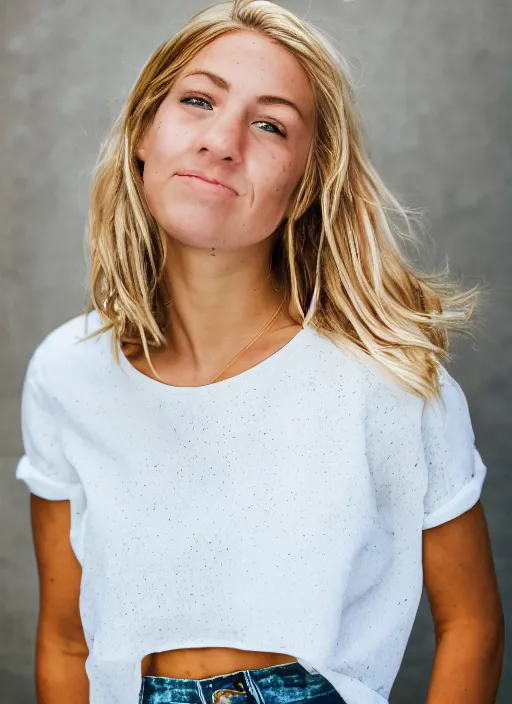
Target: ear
{"type": "Point", "coordinates": [141, 149]}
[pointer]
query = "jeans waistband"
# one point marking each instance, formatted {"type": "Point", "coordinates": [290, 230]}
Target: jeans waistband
{"type": "Point", "coordinates": [278, 684]}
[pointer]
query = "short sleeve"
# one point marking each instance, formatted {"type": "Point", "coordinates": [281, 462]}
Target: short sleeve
{"type": "Point", "coordinates": [456, 472]}
{"type": "Point", "coordinates": [43, 467]}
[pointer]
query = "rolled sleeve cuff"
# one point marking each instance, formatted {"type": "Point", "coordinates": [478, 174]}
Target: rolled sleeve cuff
{"type": "Point", "coordinates": [40, 484]}
{"type": "Point", "coordinates": [465, 499]}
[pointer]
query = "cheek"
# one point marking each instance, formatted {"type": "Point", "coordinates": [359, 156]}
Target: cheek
{"type": "Point", "coordinates": [161, 162]}
{"type": "Point", "coordinates": [164, 147]}
{"type": "Point", "coordinates": [277, 185]}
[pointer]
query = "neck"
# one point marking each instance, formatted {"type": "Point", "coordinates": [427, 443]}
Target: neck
{"type": "Point", "coordinates": [218, 303]}
{"type": "Point", "coordinates": [206, 335]}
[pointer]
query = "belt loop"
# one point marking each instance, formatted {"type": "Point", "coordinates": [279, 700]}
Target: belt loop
{"type": "Point", "coordinates": [253, 688]}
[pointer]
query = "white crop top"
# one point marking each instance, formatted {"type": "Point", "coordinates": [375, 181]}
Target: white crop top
{"type": "Point", "coordinates": [280, 510]}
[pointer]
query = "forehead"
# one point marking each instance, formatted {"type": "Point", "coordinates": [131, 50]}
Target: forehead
{"type": "Point", "coordinates": [255, 64]}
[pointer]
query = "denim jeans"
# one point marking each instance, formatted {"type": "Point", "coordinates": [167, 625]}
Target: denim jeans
{"type": "Point", "coordinates": [289, 683]}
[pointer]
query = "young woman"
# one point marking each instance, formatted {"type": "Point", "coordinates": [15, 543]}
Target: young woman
{"type": "Point", "coordinates": [246, 453]}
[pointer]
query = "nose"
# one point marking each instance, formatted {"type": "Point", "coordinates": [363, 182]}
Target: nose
{"type": "Point", "coordinates": [224, 137]}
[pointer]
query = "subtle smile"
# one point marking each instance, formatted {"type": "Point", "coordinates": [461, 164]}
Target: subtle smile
{"type": "Point", "coordinates": [213, 186]}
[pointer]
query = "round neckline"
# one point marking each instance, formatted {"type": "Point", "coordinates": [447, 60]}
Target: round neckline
{"type": "Point", "coordinates": [273, 360]}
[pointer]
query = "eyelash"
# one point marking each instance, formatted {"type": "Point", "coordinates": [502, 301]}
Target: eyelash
{"type": "Point", "coordinates": [197, 97]}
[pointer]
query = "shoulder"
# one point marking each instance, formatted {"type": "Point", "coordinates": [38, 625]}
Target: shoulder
{"type": "Point", "coordinates": [360, 374]}
{"type": "Point", "coordinates": [63, 352]}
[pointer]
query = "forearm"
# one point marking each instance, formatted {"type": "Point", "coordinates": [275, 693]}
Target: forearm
{"type": "Point", "coordinates": [467, 666]}
{"type": "Point", "coordinates": [60, 675]}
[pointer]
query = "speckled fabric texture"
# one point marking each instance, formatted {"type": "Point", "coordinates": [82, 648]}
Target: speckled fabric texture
{"type": "Point", "coordinates": [290, 683]}
{"type": "Point", "coordinates": [280, 510]}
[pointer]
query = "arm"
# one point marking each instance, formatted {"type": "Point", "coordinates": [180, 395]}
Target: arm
{"type": "Point", "coordinates": [61, 649]}
{"type": "Point", "coordinates": [463, 593]}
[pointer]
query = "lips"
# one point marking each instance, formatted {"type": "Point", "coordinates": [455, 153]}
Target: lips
{"type": "Point", "coordinates": [203, 177]}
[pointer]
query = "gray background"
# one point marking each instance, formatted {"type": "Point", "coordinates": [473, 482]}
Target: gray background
{"type": "Point", "coordinates": [435, 95]}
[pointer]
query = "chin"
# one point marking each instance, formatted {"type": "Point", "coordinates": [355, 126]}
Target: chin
{"type": "Point", "coordinates": [201, 235]}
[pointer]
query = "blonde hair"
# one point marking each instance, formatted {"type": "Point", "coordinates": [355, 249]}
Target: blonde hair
{"type": "Point", "coordinates": [338, 251]}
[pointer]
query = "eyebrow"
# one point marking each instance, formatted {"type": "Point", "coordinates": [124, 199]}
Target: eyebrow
{"type": "Point", "coordinates": [262, 99]}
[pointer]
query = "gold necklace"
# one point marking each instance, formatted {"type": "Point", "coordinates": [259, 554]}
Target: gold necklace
{"type": "Point", "coordinates": [258, 335]}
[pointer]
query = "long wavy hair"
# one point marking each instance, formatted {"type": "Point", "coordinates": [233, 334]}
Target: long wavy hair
{"type": "Point", "coordinates": [339, 253]}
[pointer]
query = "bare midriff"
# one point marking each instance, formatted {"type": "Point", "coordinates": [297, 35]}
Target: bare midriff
{"type": "Point", "coordinates": [198, 663]}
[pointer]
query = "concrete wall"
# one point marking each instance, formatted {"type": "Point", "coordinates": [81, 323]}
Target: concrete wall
{"type": "Point", "coordinates": [435, 94]}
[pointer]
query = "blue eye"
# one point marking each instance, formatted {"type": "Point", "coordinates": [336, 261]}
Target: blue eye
{"type": "Point", "coordinates": [202, 100]}
{"type": "Point", "coordinates": [278, 131]}
{"type": "Point", "coordinates": [195, 98]}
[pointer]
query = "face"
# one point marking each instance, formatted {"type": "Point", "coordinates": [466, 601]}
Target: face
{"type": "Point", "coordinates": [222, 128]}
